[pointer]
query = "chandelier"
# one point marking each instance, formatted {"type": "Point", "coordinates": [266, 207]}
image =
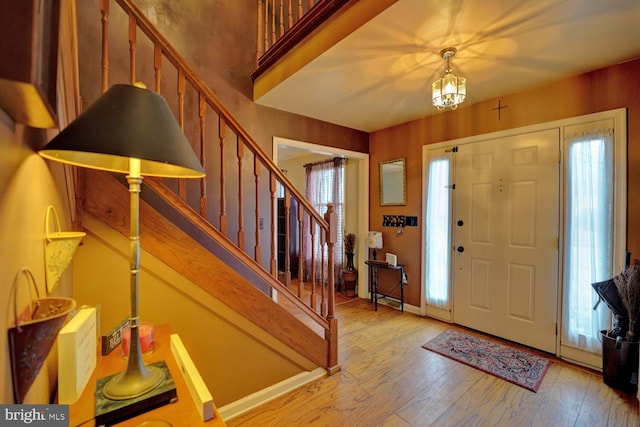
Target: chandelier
{"type": "Point", "coordinates": [450, 89]}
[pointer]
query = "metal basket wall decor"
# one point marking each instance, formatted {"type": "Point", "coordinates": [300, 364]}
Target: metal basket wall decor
{"type": "Point", "coordinates": [59, 248]}
{"type": "Point", "coordinates": [33, 334]}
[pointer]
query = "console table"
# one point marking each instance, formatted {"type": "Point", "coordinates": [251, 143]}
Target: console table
{"type": "Point", "coordinates": [374, 267]}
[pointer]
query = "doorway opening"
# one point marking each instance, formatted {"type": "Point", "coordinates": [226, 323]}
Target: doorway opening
{"type": "Point", "coordinates": [356, 205]}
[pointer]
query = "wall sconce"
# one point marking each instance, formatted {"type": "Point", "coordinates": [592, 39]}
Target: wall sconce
{"type": "Point", "coordinates": [59, 248]}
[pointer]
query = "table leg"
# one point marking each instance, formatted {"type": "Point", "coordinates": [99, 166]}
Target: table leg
{"type": "Point", "coordinates": [375, 288]}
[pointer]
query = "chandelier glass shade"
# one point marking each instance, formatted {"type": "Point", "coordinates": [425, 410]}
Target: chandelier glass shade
{"type": "Point", "coordinates": [450, 89]}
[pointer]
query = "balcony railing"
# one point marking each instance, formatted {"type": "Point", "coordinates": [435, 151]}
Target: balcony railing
{"type": "Point", "coordinates": [282, 24]}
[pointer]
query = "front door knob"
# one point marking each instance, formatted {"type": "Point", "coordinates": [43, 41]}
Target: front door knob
{"type": "Point", "coordinates": [460, 249]}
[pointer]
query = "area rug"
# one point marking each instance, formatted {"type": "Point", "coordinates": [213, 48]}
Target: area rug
{"type": "Point", "coordinates": [511, 364]}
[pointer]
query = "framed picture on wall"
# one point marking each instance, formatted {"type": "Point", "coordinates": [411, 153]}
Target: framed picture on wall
{"type": "Point", "coordinates": [28, 70]}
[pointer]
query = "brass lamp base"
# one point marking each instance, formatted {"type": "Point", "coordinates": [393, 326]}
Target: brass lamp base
{"type": "Point", "coordinates": [110, 411]}
{"type": "Point", "coordinates": [124, 386]}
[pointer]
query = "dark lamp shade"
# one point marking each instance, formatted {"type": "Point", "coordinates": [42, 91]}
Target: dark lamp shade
{"type": "Point", "coordinates": [126, 122]}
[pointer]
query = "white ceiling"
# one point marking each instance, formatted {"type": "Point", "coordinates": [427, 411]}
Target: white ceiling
{"type": "Point", "coordinates": [380, 75]}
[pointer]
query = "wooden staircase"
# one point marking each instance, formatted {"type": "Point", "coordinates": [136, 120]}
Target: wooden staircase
{"type": "Point", "coordinates": [108, 200]}
{"type": "Point", "coordinates": [232, 209]}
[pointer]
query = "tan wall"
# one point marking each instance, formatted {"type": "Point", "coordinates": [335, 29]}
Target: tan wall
{"type": "Point", "coordinates": [230, 352]}
{"type": "Point", "coordinates": [294, 168]}
{"type": "Point", "coordinates": [27, 188]}
{"type": "Point", "coordinates": [28, 185]}
{"type": "Point", "coordinates": [353, 210]}
{"type": "Point", "coordinates": [613, 87]}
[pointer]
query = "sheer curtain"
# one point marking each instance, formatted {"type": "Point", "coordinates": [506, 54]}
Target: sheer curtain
{"type": "Point", "coordinates": [438, 233]}
{"type": "Point", "coordinates": [589, 231]}
{"type": "Point", "coordinates": [324, 184]}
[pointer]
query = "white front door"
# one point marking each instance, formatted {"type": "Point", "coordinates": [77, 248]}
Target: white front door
{"type": "Point", "coordinates": [506, 228]}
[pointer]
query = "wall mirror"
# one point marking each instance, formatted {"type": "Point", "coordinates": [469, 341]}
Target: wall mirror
{"type": "Point", "coordinates": [393, 183]}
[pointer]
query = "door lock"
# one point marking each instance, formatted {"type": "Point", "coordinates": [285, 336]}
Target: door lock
{"type": "Point", "coordinates": [460, 249]}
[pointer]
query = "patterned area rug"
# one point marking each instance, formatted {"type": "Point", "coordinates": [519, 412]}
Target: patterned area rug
{"type": "Point", "coordinates": [516, 366]}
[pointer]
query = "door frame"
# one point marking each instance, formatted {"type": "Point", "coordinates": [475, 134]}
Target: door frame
{"type": "Point", "coordinates": [363, 194]}
{"type": "Point", "coordinates": [619, 117]}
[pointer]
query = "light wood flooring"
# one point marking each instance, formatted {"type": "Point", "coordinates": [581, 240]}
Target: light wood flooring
{"type": "Point", "coordinates": [387, 379]}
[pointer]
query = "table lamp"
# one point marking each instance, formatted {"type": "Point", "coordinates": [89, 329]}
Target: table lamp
{"type": "Point", "coordinates": [374, 241]}
{"type": "Point", "coordinates": [130, 130]}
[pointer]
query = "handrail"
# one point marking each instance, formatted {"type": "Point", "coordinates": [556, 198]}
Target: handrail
{"type": "Point", "coordinates": [178, 193]}
{"type": "Point", "coordinates": [169, 196]}
{"type": "Point", "coordinates": [170, 53]}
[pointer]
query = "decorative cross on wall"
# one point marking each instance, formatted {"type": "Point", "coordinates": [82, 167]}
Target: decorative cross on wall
{"type": "Point", "coordinates": [499, 108]}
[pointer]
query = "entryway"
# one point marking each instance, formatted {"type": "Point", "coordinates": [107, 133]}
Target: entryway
{"type": "Point", "coordinates": [356, 187]}
{"type": "Point", "coordinates": [518, 221]}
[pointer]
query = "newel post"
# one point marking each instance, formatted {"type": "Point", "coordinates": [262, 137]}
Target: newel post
{"type": "Point", "coordinates": [332, 334]}
{"type": "Point", "coordinates": [330, 217]}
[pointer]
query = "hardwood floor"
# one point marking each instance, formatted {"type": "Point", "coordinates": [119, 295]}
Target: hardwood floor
{"type": "Point", "coordinates": [387, 379]}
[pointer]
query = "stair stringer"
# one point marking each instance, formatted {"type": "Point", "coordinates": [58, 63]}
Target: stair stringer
{"type": "Point", "coordinates": [108, 200]}
{"type": "Point", "coordinates": [236, 358]}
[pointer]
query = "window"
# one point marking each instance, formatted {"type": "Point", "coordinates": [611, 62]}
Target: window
{"type": "Point", "coordinates": [589, 235]}
{"type": "Point", "coordinates": [438, 233]}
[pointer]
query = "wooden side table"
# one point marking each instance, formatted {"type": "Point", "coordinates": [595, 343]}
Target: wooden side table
{"type": "Point", "coordinates": [181, 413]}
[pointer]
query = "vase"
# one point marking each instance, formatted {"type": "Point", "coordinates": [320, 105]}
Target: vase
{"type": "Point", "coordinates": [350, 276]}
{"type": "Point", "coordinates": [350, 265]}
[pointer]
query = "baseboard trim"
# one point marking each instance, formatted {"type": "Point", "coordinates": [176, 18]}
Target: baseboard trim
{"type": "Point", "coordinates": [241, 406]}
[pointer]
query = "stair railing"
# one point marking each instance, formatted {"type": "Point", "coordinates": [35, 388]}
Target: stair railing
{"type": "Point", "coordinates": [231, 158]}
